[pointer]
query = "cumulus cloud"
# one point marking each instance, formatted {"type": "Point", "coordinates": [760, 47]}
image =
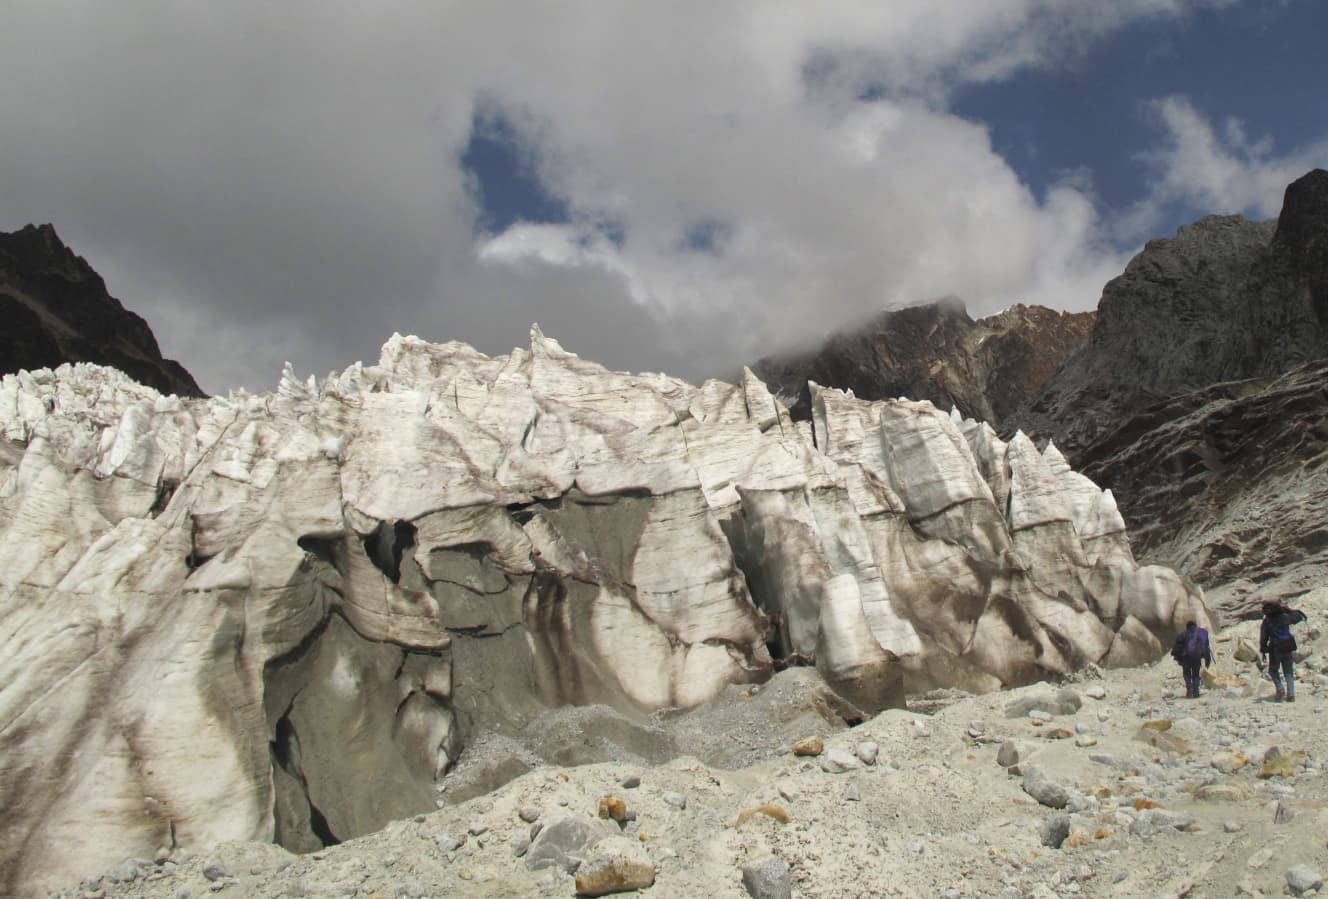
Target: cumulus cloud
{"type": "Point", "coordinates": [285, 181]}
{"type": "Point", "coordinates": [1218, 166]}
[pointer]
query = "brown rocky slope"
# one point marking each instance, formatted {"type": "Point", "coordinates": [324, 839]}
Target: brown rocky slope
{"type": "Point", "coordinates": [936, 352]}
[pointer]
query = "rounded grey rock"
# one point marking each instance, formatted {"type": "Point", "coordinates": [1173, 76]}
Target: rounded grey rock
{"type": "Point", "coordinates": [768, 879]}
{"type": "Point", "coordinates": [1302, 878]}
{"type": "Point", "coordinates": [1054, 830]}
{"type": "Point", "coordinates": [215, 870]}
{"type": "Point", "coordinates": [1045, 790]}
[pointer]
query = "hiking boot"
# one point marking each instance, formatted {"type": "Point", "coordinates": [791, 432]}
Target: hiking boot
{"type": "Point", "coordinates": [1291, 697]}
{"type": "Point", "coordinates": [1279, 695]}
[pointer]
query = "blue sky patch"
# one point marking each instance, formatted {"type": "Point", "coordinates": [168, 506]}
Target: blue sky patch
{"type": "Point", "coordinates": [506, 177]}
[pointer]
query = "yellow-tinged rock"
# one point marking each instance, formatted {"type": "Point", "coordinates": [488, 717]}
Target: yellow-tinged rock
{"type": "Point", "coordinates": [1222, 793]}
{"type": "Point", "coordinates": [1159, 725]}
{"type": "Point", "coordinates": [1229, 761]}
{"type": "Point", "coordinates": [614, 808]}
{"type": "Point", "coordinates": [1215, 679]}
{"type": "Point", "coordinates": [1159, 739]}
{"type": "Point", "coordinates": [809, 746]}
{"type": "Point", "coordinates": [1282, 764]}
{"type": "Point", "coordinates": [769, 809]}
{"type": "Point", "coordinates": [1245, 652]}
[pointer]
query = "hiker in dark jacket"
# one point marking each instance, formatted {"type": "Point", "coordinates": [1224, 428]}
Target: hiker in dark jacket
{"type": "Point", "coordinates": [1191, 650]}
{"type": "Point", "coordinates": [1277, 646]}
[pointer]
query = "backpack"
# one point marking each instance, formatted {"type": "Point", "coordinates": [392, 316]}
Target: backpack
{"type": "Point", "coordinates": [1279, 633]}
{"type": "Point", "coordinates": [1196, 644]}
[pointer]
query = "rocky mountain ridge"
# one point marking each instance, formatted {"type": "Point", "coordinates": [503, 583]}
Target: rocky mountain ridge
{"type": "Point", "coordinates": [56, 309]}
{"type": "Point", "coordinates": [936, 352]}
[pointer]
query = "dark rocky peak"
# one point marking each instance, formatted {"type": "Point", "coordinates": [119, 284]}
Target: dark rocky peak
{"type": "Point", "coordinates": [936, 352]}
{"type": "Point", "coordinates": [1303, 225]}
{"type": "Point", "coordinates": [56, 309]}
{"type": "Point", "coordinates": [1302, 237]}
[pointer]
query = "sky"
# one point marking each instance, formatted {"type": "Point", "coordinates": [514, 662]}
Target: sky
{"type": "Point", "coordinates": [663, 186]}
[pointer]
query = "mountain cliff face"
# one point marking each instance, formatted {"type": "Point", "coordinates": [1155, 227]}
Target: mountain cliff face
{"type": "Point", "coordinates": [1224, 300]}
{"type": "Point", "coordinates": [282, 617]}
{"type": "Point", "coordinates": [1199, 398]}
{"type": "Point", "coordinates": [56, 309]}
{"type": "Point", "coordinates": [935, 352]}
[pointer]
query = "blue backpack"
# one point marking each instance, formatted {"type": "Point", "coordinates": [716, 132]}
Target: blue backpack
{"type": "Point", "coordinates": [1196, 644]}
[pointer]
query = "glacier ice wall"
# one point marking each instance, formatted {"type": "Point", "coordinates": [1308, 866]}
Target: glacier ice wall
{"type": "Point", "coordinates": [275, 616]}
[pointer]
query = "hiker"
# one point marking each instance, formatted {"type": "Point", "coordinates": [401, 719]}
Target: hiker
{"type": "Point", "coordinates": [1191, 650]}
{"type": "Point", "coordinates": [1277, 647]}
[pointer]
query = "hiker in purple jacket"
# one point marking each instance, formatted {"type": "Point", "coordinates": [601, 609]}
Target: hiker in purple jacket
{"type": "Point", "coordinates": [1191, 650]}
{"type": "Point", "coordinates": [1278, 646]}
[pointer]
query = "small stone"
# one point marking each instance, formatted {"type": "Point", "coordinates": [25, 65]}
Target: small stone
{"type": "Point", "coordinates": [917, 847]}
{"type": "Point", "coordinates": [837, 761]}
{"type": "Point", "coordinates": [126, 872]}
{"type": "Point", "coordinates": [1054, 830]}
{"type": "Point", "coordinates": [618, 866]}
{"type": "Point", "coordinates": [409, 889]}
{"type": "Point", "coordinates": [768, 879]}
{"type": "Point", "coordinates": [520, 844]}
{"type": "Point", "coordinates": [1231, 826]}
{"type": "Point", "coordinates": [1229, 761]}
{"type": "Point", "coordinates": [1040, 715]}
{"type": "Point", "coordinates": [1245, 652]}
{"type": "Point", "coordinates": [1037, 784]}
{"type": "Point", "coordinates": [1302, 878]}
{"type": "Point", "coordinates": [677, 800]}
{"type": "Point", "coordinates": [809, 746]}
{"type": "Point", "coordinates": [1221, 793]}
{"type": "Point", "coordinates": [1085, 740]}
{"type": "Point", "coordinates": [562, 841]}
{"type": "Point", "coordinates": [1096, 691]}
{"type": "Point", "coordinates": [1277, 763]}
{"type": "Point", "coordinates": [478, 827]}
{"type": "Point", "coordinates": [447, 843]}
{"type": "Point", "coordinates": [630, 782]}
{"type": "Point", "coordinates": [977, 728]}
{"type": "Point", "coordinates": [852, 794]}
{"type": "Point", "coordinates": [215, 870]}
{"type": "Point", "coordinates": [528, 813]}
{"type": "Point", "coordinates": [1010, 753]}
{"type": "Point", "coordinates": [787, 793]}
{"type": "Point", "coordinates": [868, 751]}
{"type": "Point", "coordinates": [920, 729]}
{"type": "Point", "coordinates": [1260, 858]}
